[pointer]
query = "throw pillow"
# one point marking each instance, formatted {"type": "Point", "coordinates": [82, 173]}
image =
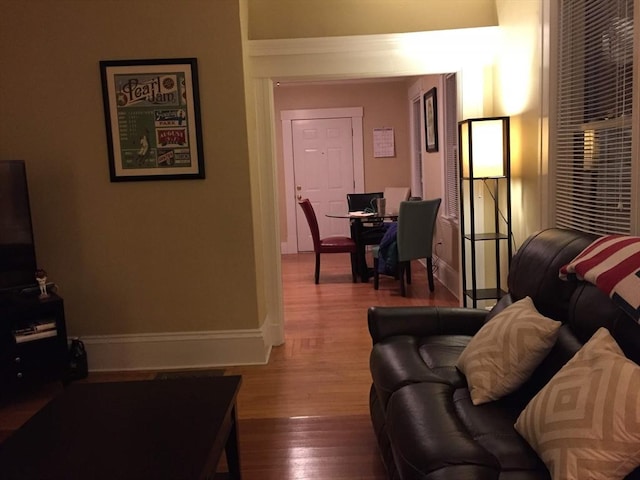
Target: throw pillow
{"type": "Point", "coordinates": [585, 423]}
{"type": "Point", "coordinates": [506, 350]}
{"type": "Point", "coordinates": [611, 263]}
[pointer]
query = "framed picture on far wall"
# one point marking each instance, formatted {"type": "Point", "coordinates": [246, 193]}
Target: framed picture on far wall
{"type": "Point", "coordinates": [431, 119]}
{"type": "Point", "coordinates": [152, 116]}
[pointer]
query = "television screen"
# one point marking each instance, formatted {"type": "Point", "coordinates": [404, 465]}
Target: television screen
{"type": "Point", "coordinates": [17, 251]}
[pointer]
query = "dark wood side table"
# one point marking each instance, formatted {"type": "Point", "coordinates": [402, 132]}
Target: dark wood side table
{"type": "Point", "coordinates": [158, 429]}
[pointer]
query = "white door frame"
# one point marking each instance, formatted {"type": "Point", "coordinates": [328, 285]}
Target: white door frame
{"type": "Point", "coordinates": [290, 244]}
{"type": "Point", "coordinates": [416, 127]}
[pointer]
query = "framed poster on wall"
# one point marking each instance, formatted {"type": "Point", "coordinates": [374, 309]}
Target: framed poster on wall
{"type": "Point", "coordinates": [152, 116]}
{"type": "Point", "coordinates": [431, 120]}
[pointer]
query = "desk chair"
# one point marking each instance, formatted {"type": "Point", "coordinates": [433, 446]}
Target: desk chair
{"type": "Point", "coordinates": [368, 234]}
{"type": "Point", "coordinates": [336, 244]}
{"type": "Point", "coordinates": [416, 224]}
{"type": "Point", "coordinates": [362, 231]}
{"type": "Point", "coordinates": [362, 201]}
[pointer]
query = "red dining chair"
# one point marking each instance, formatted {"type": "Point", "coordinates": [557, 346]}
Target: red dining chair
{"type": "Point", "coordinates": [334, 244]}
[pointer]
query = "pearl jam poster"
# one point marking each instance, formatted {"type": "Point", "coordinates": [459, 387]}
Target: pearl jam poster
{"type": "Point", "coordinates": [152, 117]}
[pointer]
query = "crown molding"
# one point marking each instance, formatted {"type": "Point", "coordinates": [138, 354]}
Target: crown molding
{"type": "Point", "coordinates": [472, 38]}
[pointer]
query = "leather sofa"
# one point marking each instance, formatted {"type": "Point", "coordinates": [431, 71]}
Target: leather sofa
{"type": "Point", "coordinates": [425, 422]}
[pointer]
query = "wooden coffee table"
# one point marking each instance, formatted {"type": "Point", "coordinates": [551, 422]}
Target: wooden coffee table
{"type": "Point", "coordinates": [160, 429]}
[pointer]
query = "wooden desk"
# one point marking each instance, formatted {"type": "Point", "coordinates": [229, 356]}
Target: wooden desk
{"type": "Point", "coordinates": [159, 429]}
{"type": "Point", "coordinates": [357, 221]}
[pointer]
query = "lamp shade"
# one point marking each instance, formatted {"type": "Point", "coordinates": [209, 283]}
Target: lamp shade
{"type": "Point", "coordinates": [484, 147]}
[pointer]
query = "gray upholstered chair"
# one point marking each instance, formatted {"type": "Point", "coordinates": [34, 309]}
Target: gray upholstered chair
{"type": "Point", "coordinates": [416, 224]}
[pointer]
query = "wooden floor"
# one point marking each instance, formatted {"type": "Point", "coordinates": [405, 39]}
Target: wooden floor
{"type": "Point", "coordinates": [305, 414]}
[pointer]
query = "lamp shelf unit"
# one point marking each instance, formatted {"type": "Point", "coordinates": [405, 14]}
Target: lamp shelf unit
{"type": "Point", "coordinates": [485, 214]}
{"type": "Point", "coordinates": [481, 237]}
{"type": "Point", "coordinates": [485, 294]}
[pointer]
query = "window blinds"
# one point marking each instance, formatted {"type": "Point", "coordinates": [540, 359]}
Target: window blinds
{"type": "Point", "coordinates": [452, 199]}
{"type": "Point", "coordinates": [593, 158]}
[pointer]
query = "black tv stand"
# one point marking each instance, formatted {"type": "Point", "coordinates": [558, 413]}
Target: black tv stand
{"type": "Point", "coordinates": [33, 340]}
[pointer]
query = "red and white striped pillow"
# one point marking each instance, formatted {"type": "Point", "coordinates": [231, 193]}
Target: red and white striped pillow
{"type": "Point", "coordinates": [612, 263]}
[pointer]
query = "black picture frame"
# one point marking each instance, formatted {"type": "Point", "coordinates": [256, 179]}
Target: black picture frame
{"type": "Point", "coordinates": [431, 120]}
{"type": "Point", "coordinates": [152, 116]}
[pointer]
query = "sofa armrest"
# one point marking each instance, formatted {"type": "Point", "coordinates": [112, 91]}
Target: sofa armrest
{"type": "Point", "coordinates": [423, 321]}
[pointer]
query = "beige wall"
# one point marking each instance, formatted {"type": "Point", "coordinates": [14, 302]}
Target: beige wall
{"type": "Point", "coordinates": [385, 104]}
{"type": "Point", "coordinates": [447, 234]}
{"type": "Point", "coordinates": [192, 255]}
{"type": "Point", "coordinates": [138, 256]}
{"type": "Point", "coordinates": [518, 93]}
{"type": "Point", "coordinates": [270, 19]}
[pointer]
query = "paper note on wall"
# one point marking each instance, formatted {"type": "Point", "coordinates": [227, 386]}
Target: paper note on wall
{"type": "Point", "coordinates": [383, 142]}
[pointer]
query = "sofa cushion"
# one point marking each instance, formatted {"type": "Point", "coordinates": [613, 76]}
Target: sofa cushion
{"type": "Point", "coordinates": [437, 433]}
{"type": "Point", "coordinates": [534, 269]}
{"type": "Point", "coordinates": [506, 350]}
{"type": "Point", "coordinates": [405, 359]}
{"type": "Point", "coordinates": [584, 423]}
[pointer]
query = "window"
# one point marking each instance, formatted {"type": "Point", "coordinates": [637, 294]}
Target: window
{"type": "Point", "coordinates": [593, 155]}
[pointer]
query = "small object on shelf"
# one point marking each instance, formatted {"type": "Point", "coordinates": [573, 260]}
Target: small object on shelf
{"type": "Point", "coordinates": [43, 328]}
{"type": "Point", "coordinates": [485, 213]}
{"type": "Point", "coordinates": [31, 336]}
{"type": "Point", "coordinates": [41, 278]}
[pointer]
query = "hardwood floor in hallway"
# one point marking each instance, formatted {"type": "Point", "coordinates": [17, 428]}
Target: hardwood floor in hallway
{"type": "Point", "coordinates": [323, 367]}
{"type": "Point", "coordinates": [305, 414]}
{"type": "Point", "coordinates": [308, 407]}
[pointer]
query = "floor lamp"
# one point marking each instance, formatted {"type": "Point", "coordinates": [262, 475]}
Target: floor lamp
{"type": "Point", "coordinates": [485, 213]}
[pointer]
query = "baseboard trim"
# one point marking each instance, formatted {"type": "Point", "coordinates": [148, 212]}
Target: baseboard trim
{"type": "Point", "coordinates": [448, 277]}
{"type": "Point", "coordinates": [178, 350]}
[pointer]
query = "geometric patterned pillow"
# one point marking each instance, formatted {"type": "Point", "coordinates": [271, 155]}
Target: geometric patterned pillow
{"type": "Point", "coordinates": [503, 354]}
{"type": "Point", "coordinates": [585, 423]}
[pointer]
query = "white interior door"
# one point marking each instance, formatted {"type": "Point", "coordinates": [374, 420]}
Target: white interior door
{"type": "Point", "coordinates": [323, 171]}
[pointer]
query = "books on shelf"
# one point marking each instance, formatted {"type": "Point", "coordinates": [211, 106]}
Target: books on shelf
{"type": "Point", "coordinates": [35, 331]}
